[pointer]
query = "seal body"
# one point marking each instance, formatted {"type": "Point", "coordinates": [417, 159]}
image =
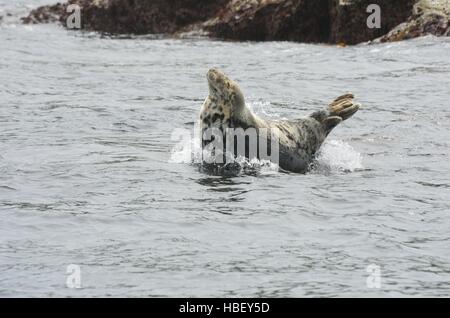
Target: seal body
{"type": "Point", "coordinates": [298, 140]}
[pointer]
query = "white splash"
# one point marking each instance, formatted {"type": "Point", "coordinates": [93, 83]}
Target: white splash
{"type": "Point", "coordinates": [334, 156]}
{"type": "Point", "coordinates": [263, 109]}
{"type": "Point", "coordinates": [263, 166]}
{"type": "Point", "coordinates": [189, 151]}
{"type": "Point", "coordinates": [337, 155]}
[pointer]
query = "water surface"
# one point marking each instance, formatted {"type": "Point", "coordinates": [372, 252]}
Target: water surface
{"type": "Point", "coordinates": [89, 174]}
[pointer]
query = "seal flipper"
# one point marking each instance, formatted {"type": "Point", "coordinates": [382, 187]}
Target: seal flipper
{"type": "Point", "coordinates": [340, 109]}
{"type": "Point", "coordinates": [344, 106]}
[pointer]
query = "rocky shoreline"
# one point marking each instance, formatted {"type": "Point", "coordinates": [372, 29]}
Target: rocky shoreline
{"type": "Point", "coordinates": [308, 21]}
{"type": "Point", "coordinates": [428, 17]}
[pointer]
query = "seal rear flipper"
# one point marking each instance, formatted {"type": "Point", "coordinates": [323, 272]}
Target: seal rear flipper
{"type": "Point", "coordinates": [339, 110]}
{"type": "Point", "coordinates": [344, 106]}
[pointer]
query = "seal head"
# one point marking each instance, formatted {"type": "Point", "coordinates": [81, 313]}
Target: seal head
{"type": "Point", "coordinates": [225, 98]}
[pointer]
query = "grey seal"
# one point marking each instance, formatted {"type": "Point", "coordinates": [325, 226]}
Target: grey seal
{"type": "Point", "coordinates": [299, 139]}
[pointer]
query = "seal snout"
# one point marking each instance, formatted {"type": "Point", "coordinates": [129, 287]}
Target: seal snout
{"type": "Point", "coordinates": [216, 80]}
{"type": "Point", "coordinates": [212, 75]}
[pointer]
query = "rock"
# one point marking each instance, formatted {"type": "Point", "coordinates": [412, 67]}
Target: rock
{"type": "Point", "coordinates": [45, 14]}
{"type": "Point", "coordinates": [143, 17]}
{"type": "Point", "coordinates": [268, 20]}
{"type": "Point", "coordinates": [131, 16]}
{"type": "Point", "coordinates": [349, 19]}
{"type": "Point", "coordinates": [324, 21]}
{"type": "Point", "coordinates": [329, 21]}
{"type": "Point", "coordinates": [428, 17]}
